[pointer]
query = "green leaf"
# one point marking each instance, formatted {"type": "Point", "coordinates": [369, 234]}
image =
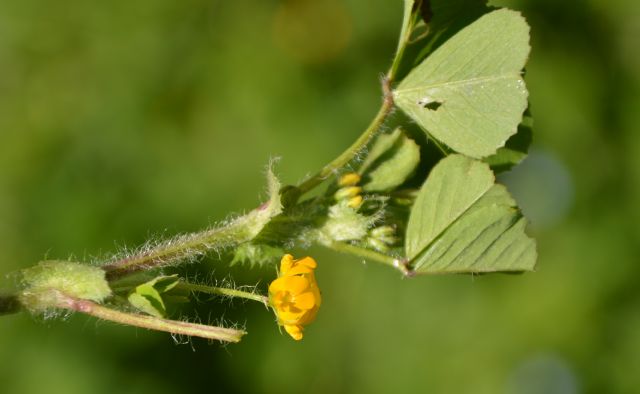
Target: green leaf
{"type": "Point", "coordinates": [463, 222]}
{"type": "Point", "coordinates": [147, 297]}
{"type": "Point", "coordinates": [453, 186]}
{"type": "Point", "coordinates": [165, 283]}
{"type": "Point", "coordinates": [391, 161]}
{"type": "Point", "coordinates": [469, 93]}
{"type": "Point", "coordinates": [516, 148]}
{"type": "Point", "coordinates": [150, 304]}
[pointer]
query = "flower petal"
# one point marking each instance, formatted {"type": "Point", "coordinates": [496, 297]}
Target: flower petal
{"type": "Point", "coordinates": [307, 262]}
{"type": "Point", "coordinates": [294, 330]}
{"type": "Point", "coordinates": [308, 317]}
{"type": "Point", "coordinates": [292, 284]}
{"type": "Point", "coordinates": [306, 300]}
{"type": "Point", "coordinates": [289, 266]}
{"type": "Point", "coordinates": [290, 317]}
{"type": "Point", "coordinates": [298, 270]}
{"type": "Point", "coordinates": [286, 263]}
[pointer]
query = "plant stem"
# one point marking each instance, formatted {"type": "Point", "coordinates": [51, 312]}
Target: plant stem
{"type": "Point", "coordinates": [167, 252]}
{"type": "Point", "coordinates": [345, 157]}
{"type": "Point", "coordinates": [403, 41]}
{"type": "Point", "coordinates": [343, 247]}
{"type": "Point", "coordinates": [387, 105]}
{"type": "Point", "coordinates": [224, 291]}
{"type": "Point", "coordinates": [150, 322]}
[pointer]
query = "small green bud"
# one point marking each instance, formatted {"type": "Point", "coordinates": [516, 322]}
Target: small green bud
{"type": "Point", "coordinates": [377, 245]}
{"type": "Point", "coordinates": [383, 231]}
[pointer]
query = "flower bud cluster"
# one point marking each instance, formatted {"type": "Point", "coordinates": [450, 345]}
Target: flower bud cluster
{"type": "Point", "coordinates": [349, 192]}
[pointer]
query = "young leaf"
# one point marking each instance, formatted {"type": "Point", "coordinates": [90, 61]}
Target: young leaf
{"type": "Point", "coordinates": [469, 93]}
{"type": "Point", "coordinates": [147, 297]}
{"type": "Point", "coordinates": [391, 160]}
{"type": "Point", "coordinates": [463, 222]}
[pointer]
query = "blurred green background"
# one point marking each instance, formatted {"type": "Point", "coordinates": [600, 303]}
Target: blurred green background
{"type": "Point", "coordinates": [125, 120]}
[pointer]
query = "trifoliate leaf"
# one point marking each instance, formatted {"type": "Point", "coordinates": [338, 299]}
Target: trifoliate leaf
{"type": "Point", "coordinates": [463, 222]}
{"type": "Point", "coordinates": [469, 93]}
{"type": "Point", "coordinates": [391, 160]}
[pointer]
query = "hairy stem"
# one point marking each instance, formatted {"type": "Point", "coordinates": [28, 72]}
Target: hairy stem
{"type": "Point", "coordinates": [150, 322]}
{"type": "Point", "coordinates": [345, 157]}
{"type": "Point", "coordinates": [224, 291]}
{"type": "Point", "coordinates": [170, 251]}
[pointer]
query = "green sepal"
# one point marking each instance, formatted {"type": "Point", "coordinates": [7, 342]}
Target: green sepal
{"type": "Point", "coordinates": [256, 254]}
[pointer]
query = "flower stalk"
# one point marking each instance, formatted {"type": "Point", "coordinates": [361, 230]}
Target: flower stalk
{"type": "Point", "coordinates": [149, 322]}
{"type": "Point", "coordinates": [223, 291]}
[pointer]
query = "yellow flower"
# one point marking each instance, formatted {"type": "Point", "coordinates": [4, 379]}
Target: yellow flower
{"type": "Point", "coordinates": [295, 295]}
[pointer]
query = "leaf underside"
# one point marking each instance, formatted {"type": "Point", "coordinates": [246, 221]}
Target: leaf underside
{"type": "Point", "coordinates": [392, 159]}
{"type": "Point", "coordinates": [462, 222]}
{"type": "Point", "coordinates": [469, 93]}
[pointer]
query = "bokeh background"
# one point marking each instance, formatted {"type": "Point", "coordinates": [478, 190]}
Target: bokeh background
{"type": "Point", "coordinates": [120, 121]}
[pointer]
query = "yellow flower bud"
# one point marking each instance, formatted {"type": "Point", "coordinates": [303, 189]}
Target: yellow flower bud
{"type": "Point", "coordinates": [355, 202]}
{"type": "Point", "coordinates": [349, 179]}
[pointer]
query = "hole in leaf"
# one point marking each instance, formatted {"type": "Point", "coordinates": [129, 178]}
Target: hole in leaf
{"type": "Point", "coordinates": [434, 105]}
{"type": "Point", "coordinates": [429, 103]}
